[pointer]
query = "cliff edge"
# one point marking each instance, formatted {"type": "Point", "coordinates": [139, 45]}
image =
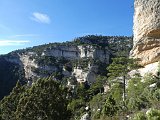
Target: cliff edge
{"type": "Point", "coordinates": [146, 31]}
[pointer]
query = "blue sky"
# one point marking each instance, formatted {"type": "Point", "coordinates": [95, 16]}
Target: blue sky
{"type": "Point", "coordinates": [26, 23]}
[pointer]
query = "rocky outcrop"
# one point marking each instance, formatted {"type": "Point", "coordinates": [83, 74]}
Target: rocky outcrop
{"type": "Point", "coordinates": [77, 52]}
{"type": "Point", "coordinates": [28, 64]}
{"type": "Point", "coordinates": [24, 61]}
{"type": "Point", "coordinates": [29, 61]}
{"type": "Point", "coordinates": [70, 52]}
{"type": "Point", "coordinates": [147, 50]}
{"type": "Point", "coordinates": [146, 31]}
{"type": "Point", "coordinates": [150, 68]}
{"type": "Point", "coordinates": [83, 59]}
{"type": "Point", "coordinates": [88, 75]}
{"type": "Point", "coordinates": [94, 52]}
{"type": "Point", "coordinates": [85, 117]}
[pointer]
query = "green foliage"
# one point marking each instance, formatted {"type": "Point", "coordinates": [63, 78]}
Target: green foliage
{"type": "Point", "coordinates": [121, 66]}
{"type": "Point", "coordinates": [92, 40]}
{"type": "Point", "coordinates": [110, 108]}
{"type": "Point", "coordinates": [9, 103]}
{"type": "Point", "coordinates": [68, 67]}
{"type": "Point", "coordinates": [116, 92]}
{"type": "Point", "coordinates": [83, 63]}
{"type": "Point", "coordinates": [143, 93]}
{"type": "Point", "coordinates": [77, 106]}
{"type": "Point", "coordinates": [156, 95]}
{"type": "Point", "coordinates": [96, 105]}
{"type": "Point", "coordinates": [9, 76]}
{"type": "Point", "coordinates": [46, 60]}
{"type": "Point", "coordinates": [151, 114]}
{"type": "Point", "coordinates": [101, 67]}
{"type": "Point", "coordinates": [82, 91]}
{"type": "Point", "coordinates": [121, 46]}
{"type": "Point", "coordinates": [115, 43]}
{"type": "Point", "coordinates": [135, 99]}
{"type": "Point", "coordinates": [98, 86]}
{"type": "Point", "coordinates": [45, 99]}
{"type": "Point", "coordinates": [149, 79]}
{"type": "Point", "coordinates": [140, 116]}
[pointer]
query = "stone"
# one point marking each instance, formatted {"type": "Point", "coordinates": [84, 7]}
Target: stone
{"type": "Point", "coordinates": [150, 68]}
{"type": "Point", "coordinates": [146, 31]}
{"type": "Point", "coordinates": [86, 75]}
{"type": "Point", "coordinates": [85, 117]}
{"type": "Point", "coordinates": [77, 52]}
{"type": "Point", "coordinates": [153, 85]}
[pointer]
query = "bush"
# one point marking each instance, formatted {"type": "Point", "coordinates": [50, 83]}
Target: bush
{"type": "Point", "coordinates": [110, 108]}
{"type": "Point", "coordinates": [140, 116]}
{"type": "Point", "coordinates": [153, 114]}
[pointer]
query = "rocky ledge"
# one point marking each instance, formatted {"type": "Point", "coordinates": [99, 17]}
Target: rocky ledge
{"type": "Point", "coordinates": [146, 31]}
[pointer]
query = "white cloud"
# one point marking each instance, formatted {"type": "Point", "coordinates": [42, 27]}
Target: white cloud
{"type": "Point", "coordinates": [25, 35]}
{"type": "Point", "coordinates": [13, 42]}
{"type": "Point", "coordinates": [40, 17]}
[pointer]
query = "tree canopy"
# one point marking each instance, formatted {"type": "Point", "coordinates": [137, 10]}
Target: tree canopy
{"type": "Point", "coordinates": [44, 100]}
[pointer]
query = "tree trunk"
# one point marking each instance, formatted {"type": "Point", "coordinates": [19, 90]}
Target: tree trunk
{"type": "Point", "coordinates": [124, 90]}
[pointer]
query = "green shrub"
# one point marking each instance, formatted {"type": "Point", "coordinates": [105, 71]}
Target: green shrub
{"type": "Point", "coordinates": [153, 114]}
{"type": "Point", "coordinates": [140, 116]}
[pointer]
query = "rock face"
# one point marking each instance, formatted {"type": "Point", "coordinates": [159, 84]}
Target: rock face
{"type": "Point", "coordinates": [30, 61]}
{"type": "Point", "coordinates": [82, 59]}
{"type": "Point", "coordinates": [146, 31]}
{"type": "Point", "coordinates": [80, 52]}
{"type": "Point", "coordinates": [86, 75]}
{"type": "Point", "coordinates": [150, 68]}
{"type": "Point", "coordinates": [77, 52]}
{"type": "Point", "coordinates": [70, 52]}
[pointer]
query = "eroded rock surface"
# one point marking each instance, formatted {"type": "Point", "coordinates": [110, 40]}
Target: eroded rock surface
{"type": "Point", "coordinates": [147, 31]}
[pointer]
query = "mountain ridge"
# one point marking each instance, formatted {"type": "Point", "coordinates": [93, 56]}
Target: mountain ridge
{"type": "Point", "coordinates": [83, 58]}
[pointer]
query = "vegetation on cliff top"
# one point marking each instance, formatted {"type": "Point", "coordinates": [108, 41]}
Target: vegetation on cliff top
{"type": "Point", "coordinates": [115, 43]}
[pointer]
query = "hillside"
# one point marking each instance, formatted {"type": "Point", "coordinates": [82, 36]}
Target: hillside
{"type": "Point", "coordinates": [83, 58]}
{"type": "Point", "coordinates": [87, 78]}
{"type": "Point", "coordinates": [91, 77]}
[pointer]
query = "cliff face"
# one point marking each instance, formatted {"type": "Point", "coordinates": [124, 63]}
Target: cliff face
{"type": "Point", "coordinates": [146, 31]}
{"type": "Point", "coordinates": [46, 63]}
{"type": "Point", "coordinates": [77, 52]}
{"type": "Point", "coordinates": [69, 52]}
{"type": "Point", "coordinates": [82, 59]}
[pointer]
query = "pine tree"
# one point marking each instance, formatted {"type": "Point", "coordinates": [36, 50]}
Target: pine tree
{"type": "Point", "coordinates": [119, 68]}
{"type": "Point", "coordinates": [45, 100]}
{"type": "Point", "coordinates": [110, 107]}
{"type": "Point", "coordinates": [9, 104]}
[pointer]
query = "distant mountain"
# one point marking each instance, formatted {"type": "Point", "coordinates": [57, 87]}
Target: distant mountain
{"type": "Point", "coordinates": [80, 60]}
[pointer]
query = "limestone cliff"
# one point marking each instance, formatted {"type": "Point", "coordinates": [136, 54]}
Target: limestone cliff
{"type": "Point", "coordinates": [146, 31]}
{"type": "Point", "coordinates": [82, 59]}
{"type": "Point", "coordinates": [77, 52]}
{"type": "Point", "coordinates": [50, 61]}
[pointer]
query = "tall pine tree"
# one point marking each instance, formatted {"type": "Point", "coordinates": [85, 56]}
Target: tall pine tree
{"type": "Point", "coordinates": [120, 68]}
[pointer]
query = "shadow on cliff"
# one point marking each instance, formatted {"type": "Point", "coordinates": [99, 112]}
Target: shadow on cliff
{"type": "Point", "coordinates": [10, 73]}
